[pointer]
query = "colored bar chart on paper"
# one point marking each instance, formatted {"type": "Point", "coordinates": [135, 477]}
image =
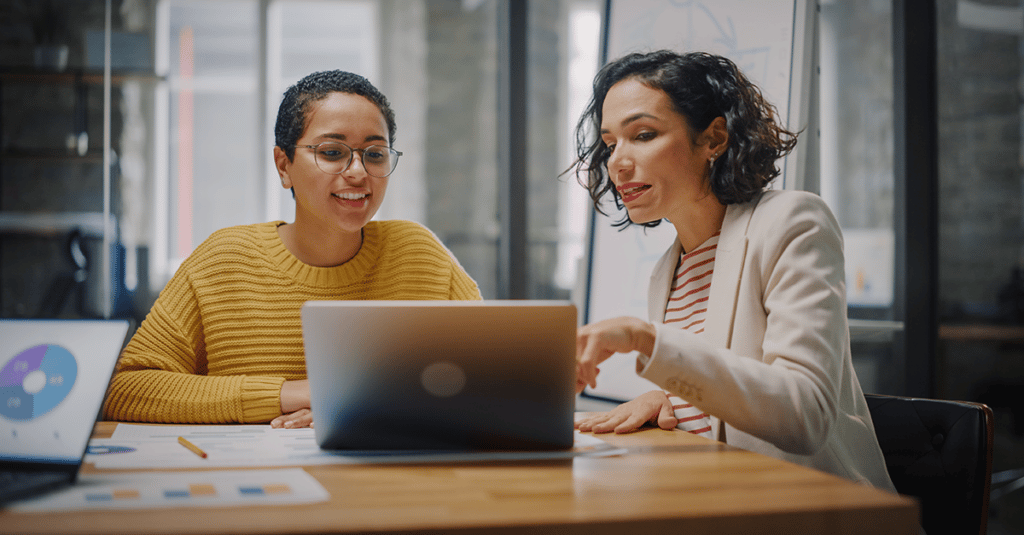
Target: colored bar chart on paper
{"type": "Point", "coordinates": [213, 488]}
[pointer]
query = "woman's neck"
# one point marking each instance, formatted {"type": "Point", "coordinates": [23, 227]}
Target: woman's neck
{"type": "Point", "coordinates": [320, 247]}
{"type": "Point", "coordinates": [700, 223]}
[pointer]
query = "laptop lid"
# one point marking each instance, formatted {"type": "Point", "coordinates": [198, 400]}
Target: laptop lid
{"type": "Point", "coordinates": [53, 378]}
{"type": "Point", "coordinates": [441, 375]}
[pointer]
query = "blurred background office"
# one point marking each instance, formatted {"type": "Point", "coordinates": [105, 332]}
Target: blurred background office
{"type": "Point", "coordinates": [918, 149]}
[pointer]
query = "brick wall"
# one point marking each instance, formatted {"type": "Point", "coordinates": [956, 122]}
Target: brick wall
{"type": "Point", "coordinates": [981, 184]}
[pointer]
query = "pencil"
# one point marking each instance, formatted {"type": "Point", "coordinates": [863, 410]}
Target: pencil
{"type": "Point", "coordinates": [195, 449]}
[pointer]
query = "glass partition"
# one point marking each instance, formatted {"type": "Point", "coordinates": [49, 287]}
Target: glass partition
{"type": "Point", "coordinates": [856, 146]}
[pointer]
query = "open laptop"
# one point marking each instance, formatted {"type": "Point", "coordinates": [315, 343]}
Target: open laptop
{"type": "Point", "coordinates": [441, 375]}
{"type": "Point", "coordinates": [53, 378]}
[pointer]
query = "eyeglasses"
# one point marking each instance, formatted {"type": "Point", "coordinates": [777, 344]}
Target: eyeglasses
{"type": "Point", "coordinates": [334, 157]}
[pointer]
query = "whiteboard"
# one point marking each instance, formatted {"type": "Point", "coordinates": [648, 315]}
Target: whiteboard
{"type": "Point", "coordinates": [771, 42]}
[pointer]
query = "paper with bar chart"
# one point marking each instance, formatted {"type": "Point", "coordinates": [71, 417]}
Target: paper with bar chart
{"type": "Point", "coordinates": [155, 490]}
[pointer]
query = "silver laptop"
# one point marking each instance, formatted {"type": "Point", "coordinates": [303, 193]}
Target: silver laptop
{"type": "Point", "coordinates": [53, 378]}
{"type": "Point", "coordinates": [441, 375]}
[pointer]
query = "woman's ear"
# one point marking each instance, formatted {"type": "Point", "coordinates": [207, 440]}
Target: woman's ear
{"type": "Point", "coordinates": [282, 163]}
{"type": "Point", "coordinates": [716, 135]}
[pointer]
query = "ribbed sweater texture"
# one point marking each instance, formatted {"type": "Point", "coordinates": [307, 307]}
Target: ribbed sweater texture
{"type": "Point", "coordinates": [225, 332]}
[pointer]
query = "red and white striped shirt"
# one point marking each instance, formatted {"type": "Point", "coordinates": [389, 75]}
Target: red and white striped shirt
{"type": "Point", "coordinates": [686, 308]}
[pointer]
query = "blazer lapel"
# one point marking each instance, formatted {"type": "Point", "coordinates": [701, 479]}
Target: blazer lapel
{"type": "Point", "coordinates": [661, 283]}
{"type": "Point", "coordinates": [725, 284]}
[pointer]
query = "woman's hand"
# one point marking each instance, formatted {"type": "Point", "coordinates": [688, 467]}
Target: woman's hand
{"type": "Point", "coordinates": [294, 420]}
{"type": "Point", "coordinates": [598, 341]}
{"type": "Point", "coordinates": [653, 407]}
{"type": "Point", "coordinates": [294, 405]}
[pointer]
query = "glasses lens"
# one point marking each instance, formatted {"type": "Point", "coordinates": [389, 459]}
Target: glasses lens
{"type": "Point", "coordinates": [379, 161]}
{"type": "Point", "coordinates": [333, 158]}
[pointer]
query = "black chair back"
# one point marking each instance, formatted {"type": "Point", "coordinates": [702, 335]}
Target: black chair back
{"type": "Point", "coordinates": [939, 452]}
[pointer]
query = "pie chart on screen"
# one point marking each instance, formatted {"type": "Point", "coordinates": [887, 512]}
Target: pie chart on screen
{"type": "Point", "coordinates": [35, 381]}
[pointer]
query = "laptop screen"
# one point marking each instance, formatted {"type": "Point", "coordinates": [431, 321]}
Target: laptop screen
{"type": "Point", "coordinates": [53, 378]}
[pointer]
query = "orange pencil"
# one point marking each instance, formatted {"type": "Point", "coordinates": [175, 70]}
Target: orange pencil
{"type": "Point", "coordinates": [195, 449]}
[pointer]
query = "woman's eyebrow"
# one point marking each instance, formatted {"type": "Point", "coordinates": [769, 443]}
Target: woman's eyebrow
{"type": "Point", "coordinates": [343, 137]}
{"type": "Point", "coordinates": [630, 119]}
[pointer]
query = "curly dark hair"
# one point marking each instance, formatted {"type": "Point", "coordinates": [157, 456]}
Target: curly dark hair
{"type": "Point", "coordinates": [291, 115]}
{"type": "Point", "coordinates": [702, 87]}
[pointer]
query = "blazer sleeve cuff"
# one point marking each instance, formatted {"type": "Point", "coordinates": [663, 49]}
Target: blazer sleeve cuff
{"type": "Point", "coordinates": [641, 363]}
{"type": "Point", "coordinates": [667, 366]}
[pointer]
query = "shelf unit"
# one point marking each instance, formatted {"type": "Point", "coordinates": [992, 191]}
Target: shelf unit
{"type": "Point", "coordinates": [22, 220]}
{"type": "Point", "coordinates": [81, 79]}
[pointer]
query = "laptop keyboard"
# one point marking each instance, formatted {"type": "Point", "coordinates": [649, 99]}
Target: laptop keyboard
{"type": "Point", "coordinates": [15, 485]}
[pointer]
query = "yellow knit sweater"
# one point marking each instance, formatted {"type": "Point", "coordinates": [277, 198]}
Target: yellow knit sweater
{"type": "Point", "coordinates": [225, 332]}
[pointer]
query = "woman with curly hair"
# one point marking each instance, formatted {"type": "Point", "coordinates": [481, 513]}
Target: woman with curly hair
{"type": "Point", "coordinates": [747, 308]}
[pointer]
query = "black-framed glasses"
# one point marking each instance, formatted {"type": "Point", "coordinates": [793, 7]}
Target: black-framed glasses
{"type": "Point", "coordinates": [334, 157]}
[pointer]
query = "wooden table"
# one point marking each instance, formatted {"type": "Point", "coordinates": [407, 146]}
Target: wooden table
{"type": "Point", "coordinates": [669, 481]}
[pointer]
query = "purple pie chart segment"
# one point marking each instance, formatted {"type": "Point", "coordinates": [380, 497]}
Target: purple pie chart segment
{"type": "Point", "coordinates": [35, 381]}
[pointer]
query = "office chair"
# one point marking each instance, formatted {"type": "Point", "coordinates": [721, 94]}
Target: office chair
{"type": "Point", "coordinates": [939, 452]}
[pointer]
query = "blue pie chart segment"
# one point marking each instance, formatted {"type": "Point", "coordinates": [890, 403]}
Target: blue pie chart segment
{"type": "Point", "coordinates": [35, 381]}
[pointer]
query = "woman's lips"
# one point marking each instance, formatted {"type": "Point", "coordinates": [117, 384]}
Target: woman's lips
{"type": "Point", "coordinates": [630, 192]}
{"type": "Point", "coordinates": [356, 200]}
{"type": "Point", "coordinates": [351, 196]}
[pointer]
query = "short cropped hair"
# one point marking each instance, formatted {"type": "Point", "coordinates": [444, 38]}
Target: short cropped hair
{"type": "Point", "coordinates": [291, 115]}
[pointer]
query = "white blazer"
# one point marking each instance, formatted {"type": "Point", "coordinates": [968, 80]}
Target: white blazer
{"type": "Point", "coordinates": [773, 366]}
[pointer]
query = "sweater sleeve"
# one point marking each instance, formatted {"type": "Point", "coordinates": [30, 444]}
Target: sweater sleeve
{"type": "Point", "coordinates": [463, 287]}
{"type": "Point", "coordinates": [162, 374]}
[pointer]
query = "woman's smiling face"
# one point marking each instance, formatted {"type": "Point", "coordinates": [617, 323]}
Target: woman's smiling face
{"type": "Point", "coordinates": [657, 167]}
{"type": "Point", "coordinates": [349, 200]}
